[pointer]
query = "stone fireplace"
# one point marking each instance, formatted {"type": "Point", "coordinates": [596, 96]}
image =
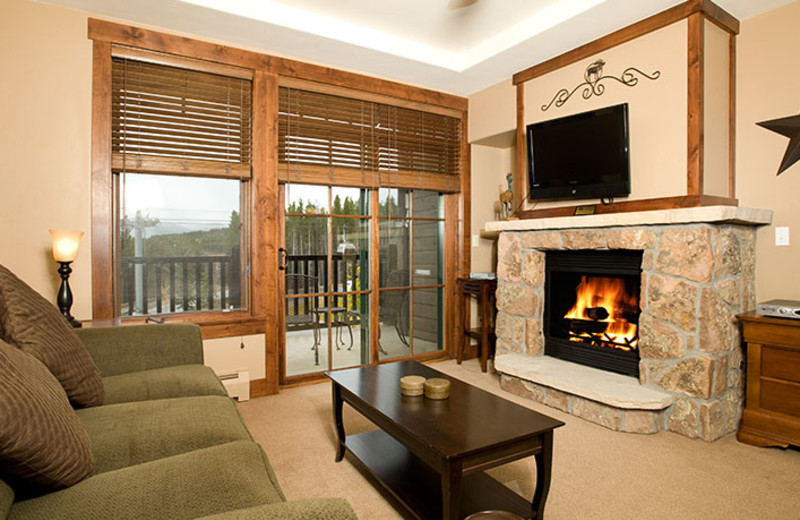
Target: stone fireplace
{"type": "Point", "coordinates": [697, 273]}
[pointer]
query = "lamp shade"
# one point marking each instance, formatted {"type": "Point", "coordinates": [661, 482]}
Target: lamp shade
{"type": "Point", "coordinates": [65, 244]}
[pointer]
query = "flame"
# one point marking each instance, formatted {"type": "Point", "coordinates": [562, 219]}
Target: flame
{"type": "Point", "coordinates": [610, 294]}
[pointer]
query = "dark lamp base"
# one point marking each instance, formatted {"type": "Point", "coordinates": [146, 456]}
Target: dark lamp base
{"type": "Point", "coordinates": [75, 323]}
{"type": "Point", "coordinates": [64, 298]}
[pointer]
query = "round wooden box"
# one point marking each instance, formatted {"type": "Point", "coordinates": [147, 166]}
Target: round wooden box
{"type": "Point", "coordinates": [412, 386]}
{"type": "Point", "coordinates": [437, 388]}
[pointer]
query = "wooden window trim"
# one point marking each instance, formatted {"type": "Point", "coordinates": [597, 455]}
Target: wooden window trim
{"type": "Point", "coordinates": [265, 229]}
{"type": "Point", "coordinates": [136, 37]}
{"type": "Point", "coordinates": [103, 300]}
{"type": "Point", "coordinates": [104, 306]}
{"type": "Point", "coordinates": [171, 60]}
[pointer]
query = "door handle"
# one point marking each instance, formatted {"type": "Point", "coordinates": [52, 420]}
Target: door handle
{"type": "Point", "coordinates": [282, 258]}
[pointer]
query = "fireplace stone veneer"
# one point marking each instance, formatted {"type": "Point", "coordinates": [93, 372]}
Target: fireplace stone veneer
{"type": "Point", "coordinates": [698, 272]}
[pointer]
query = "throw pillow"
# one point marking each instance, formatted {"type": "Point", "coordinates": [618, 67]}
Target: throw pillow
{"type": "Point", "coordinates": [33, 324]}
{"type": "Point", "coordinates": [43, 444]}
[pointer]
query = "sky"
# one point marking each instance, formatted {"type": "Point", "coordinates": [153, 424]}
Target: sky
{"type": "Point", "coordinates": [183, 204]}
{"type": "Point", "coordinates": [180, 203]}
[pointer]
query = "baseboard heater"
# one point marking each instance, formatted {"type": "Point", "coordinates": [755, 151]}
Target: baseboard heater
{"type": "Point", "coordinates": [237, 384]}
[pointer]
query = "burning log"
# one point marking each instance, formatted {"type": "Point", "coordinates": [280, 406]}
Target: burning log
{"type": "Point", "coordinates": [596, 313]}
{"type": "Point", "coordinates": [587, 326]}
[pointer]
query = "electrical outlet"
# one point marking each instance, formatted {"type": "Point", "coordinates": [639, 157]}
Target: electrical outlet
{"type": "Point", "coordinates": [782, 236]}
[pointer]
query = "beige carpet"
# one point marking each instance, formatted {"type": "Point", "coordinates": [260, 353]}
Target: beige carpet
{"type": "Point", "coordinates": [597, 473]}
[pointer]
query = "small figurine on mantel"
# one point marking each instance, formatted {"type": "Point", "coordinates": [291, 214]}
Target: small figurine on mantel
{"type": "Point", "coordinates": [503, 207]}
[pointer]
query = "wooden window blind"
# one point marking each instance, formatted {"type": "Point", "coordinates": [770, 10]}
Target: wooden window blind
{"type": "Point", "coordinates": [178, 121]}
{"type": "Point", "coordinates": [332, 135]}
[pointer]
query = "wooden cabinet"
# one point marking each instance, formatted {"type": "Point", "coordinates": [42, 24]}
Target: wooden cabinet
{"type": "Point", "coordinates": [772, 409]}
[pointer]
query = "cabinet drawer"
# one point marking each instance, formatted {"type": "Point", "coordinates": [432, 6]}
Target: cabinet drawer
{"type": "Point", "coordinates": [780, 363]}
{"type": "Point", "coordinates": [780, 397]}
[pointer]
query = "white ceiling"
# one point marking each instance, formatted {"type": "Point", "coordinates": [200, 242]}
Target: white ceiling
{"type": "Point", "coordinates": [429, 43]}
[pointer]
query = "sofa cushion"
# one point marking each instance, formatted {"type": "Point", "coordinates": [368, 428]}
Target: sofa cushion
{"type": "Point", "coordinates": [190, 485]}
{"type": "Point", "coordinates": [131, 433]}
{"type": "Point", "coordinates": [33, 324]}
{"type": "Point", "coordinates": [43, 445]}
{"type": "Point", "coordinates": [162, 383]}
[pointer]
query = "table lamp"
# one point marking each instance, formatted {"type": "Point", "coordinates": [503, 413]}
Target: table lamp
{"type": "Point", "coordinates": [65, 249]}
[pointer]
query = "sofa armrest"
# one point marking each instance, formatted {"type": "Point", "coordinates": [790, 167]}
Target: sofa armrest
{"type": "Point", "coordinates": [316, 508]}
{"type": "Point", "coordinates": [133, 348]}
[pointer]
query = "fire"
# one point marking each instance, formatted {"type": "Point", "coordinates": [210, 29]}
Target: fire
{"type": "Point", "coordinates": [610, 294]}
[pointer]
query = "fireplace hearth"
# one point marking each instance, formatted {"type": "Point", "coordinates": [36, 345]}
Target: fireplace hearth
{"type": "Point", "coordinates": [591, 312]}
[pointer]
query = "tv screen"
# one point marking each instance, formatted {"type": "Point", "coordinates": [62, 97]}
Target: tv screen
{"type": "Point", "coordinates": [580, 156]}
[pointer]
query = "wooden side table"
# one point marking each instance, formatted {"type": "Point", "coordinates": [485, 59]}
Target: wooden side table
{"type": "Point", "coordinates": [484, 290]}
{"type": "Point", "coordinates": [772, 411]}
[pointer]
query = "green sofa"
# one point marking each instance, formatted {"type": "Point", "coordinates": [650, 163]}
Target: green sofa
{"type": "Point", "coordinates": [167, 442]}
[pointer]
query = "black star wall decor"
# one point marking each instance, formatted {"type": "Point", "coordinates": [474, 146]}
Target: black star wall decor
{"type": "Point", "coordinates": [790, 127]}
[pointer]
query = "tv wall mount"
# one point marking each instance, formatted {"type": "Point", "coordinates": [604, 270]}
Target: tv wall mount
{"type": "Point", "coordinates": [593, 86]}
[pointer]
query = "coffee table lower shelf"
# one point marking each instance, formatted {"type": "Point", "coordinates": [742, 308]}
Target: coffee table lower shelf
{"type": "Point", "coordinates": [418, 486]}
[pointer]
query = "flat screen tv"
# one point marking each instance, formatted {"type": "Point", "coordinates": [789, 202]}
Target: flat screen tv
{"type": "Point", "coordinates": [580, 156]}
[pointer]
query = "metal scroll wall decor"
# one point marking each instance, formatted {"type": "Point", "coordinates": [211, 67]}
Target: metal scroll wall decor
{"type": "Point", "coordinates": [594, 87]}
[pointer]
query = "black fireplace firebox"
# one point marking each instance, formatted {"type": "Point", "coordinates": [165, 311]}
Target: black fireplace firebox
{"type": "Point", "coordinates": [591, 312]}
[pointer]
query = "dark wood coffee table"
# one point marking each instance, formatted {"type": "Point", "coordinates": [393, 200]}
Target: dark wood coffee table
{"type": "Point", "coordinates": [431, 454]}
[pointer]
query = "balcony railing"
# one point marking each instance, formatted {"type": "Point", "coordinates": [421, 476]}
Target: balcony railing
{"type": "Point", "coordinates": [168, 285]}
{"type": "Point", "coordinates": [307, 276]}
{"type": "Point", "coordinates": [173, 284]}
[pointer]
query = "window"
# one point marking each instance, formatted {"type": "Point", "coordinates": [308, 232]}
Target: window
{"type": "Point", "coordinates": [181, 164]}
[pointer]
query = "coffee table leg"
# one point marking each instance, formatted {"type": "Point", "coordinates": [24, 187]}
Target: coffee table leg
{"type": "Point", "coordinates": [451, 490]}
{"type": "Point", "coordinates": [337, 420]}
{"type": "Point", "coordinates": [544, 461]}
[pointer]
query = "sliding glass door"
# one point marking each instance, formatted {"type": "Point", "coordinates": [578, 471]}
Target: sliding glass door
{"type": "Point", "coordinates": [329, 277]}
{"type": "Point", "coordinates": [326, 274]}
{"type": "Point", "coordinates": [411, 288]}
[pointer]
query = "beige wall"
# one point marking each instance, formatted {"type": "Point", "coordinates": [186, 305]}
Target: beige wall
{"type": "Point", "coordinates": [45, 102]}
{"type": "Point", "coordinates": [489, 168]}
{"type": "Point", "coordinates": [768, 50]}
{"type": "Point", "coordinates": [493, 111]}
{"type": "Point", "coordinates": [226, 355]}
{"type": "Point", "coordinates": [657, 109]}
{"type": "Point", "coordinates": [492, 133]}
